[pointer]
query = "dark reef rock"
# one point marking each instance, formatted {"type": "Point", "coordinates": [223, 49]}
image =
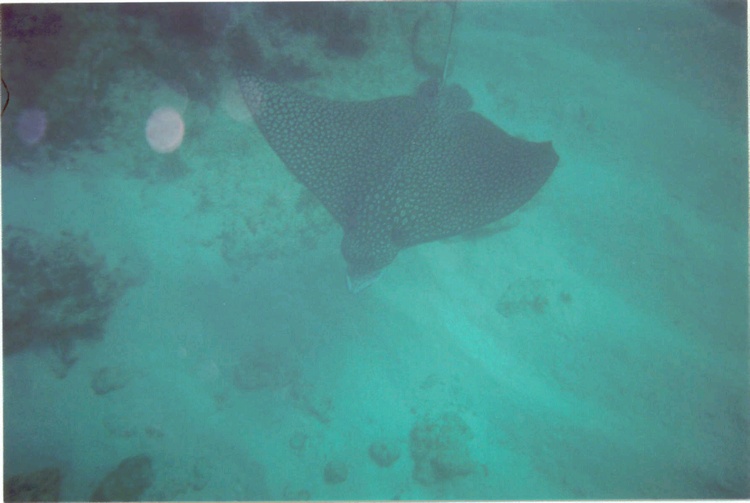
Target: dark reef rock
{"type": "Point", "coordinates": [41, 44]}
{"type": "Point", "coordinates": [244, 50]}
{"type": "Point", "coordinates": [181, 48]}
{"type": "Point", "coordinates": [733, 11]}
{"type": "Point", "coordinates": [384, 454]}
{"type": "Point", "coordinates": [41, 485]}
{"type": "Point", "coordinates": [440, 449]}
{"type": "Point", "coordinates": [335, 472]}
{"type": "Point", "coordinates": [265, 368]}
{"type": "Point", "coordinates": [201, 474]}
{"type": "Point", "coordinates": [297, 441]}
{"type": "Point", "coordinates": [127, 482]}
{"type": "Point", "coordinates": [119, 426]}
{"type": "Point", "coordinates": [55, 291]}
{"type": "Point", "coordinates": [312, 400]}
{"type": "Point", "coordinates": [246, 55]}
{"type": "Point", "coordinates": [291, 494]}
{"type": "Point", "coordinates": [107, 379]}
{"type": "Point", "coordinates": [530, 295]}
{"type": "Point", "coordinates": [30, 21]}
{"type": "Point", "coordinates": [339, 26]}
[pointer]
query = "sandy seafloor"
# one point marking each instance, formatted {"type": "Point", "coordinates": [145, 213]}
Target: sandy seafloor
{"type": "Point", "coordinates": [594, 344]}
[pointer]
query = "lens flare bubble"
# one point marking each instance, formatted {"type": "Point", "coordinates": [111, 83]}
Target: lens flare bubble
{"type": "Point", "coordinates": [165, 130]}
{"type": "Point", "coordinates": [32, 125]}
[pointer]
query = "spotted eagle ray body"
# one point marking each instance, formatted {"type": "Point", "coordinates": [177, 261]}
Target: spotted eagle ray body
{"type": "Point", "coordinates": [398, 171]}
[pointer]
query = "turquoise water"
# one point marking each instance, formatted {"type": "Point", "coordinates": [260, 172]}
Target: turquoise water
{"type": "Point", "coordinates": [184, 298]}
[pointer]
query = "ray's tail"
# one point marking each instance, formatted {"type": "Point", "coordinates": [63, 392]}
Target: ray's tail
{"type": "Point", "coordinates": [454, 6]}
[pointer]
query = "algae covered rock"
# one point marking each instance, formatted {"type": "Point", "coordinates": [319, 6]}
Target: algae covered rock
{"type": "Point", "coordinates": [127, 482]}
{"type": "Point", "coordinates": [298, 440]}
{"type": "Point", "coordinates": [41, 485]}
{"type": "Point", "coordinates": [532, 296]}
{"type": "Point", "coordinates": [440, 448]}
{"type": "Point", "coordinates": [292, 494]}
{"type": "Point", "coordinates": [107, 379]}
{"type": "Point", "coordinates": [384, 454]}
{"type": "Point", "coordinates": [57, 289]}
{"type": "Point", "coordinates": [265, 367]}
{"type": "Point", "coordinates": [312, 400]}
{"type": "Point", "coordinates": [335, 472]}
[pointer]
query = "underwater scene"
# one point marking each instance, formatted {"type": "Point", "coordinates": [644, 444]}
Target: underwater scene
{"type": "Point", "coordinates": [356, 251]}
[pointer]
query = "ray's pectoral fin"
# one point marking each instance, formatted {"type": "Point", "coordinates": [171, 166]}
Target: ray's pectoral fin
{"type": "Point", "coordinates": [368, 247]}
{"type": "Point", "coordinates": [466, 172]}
